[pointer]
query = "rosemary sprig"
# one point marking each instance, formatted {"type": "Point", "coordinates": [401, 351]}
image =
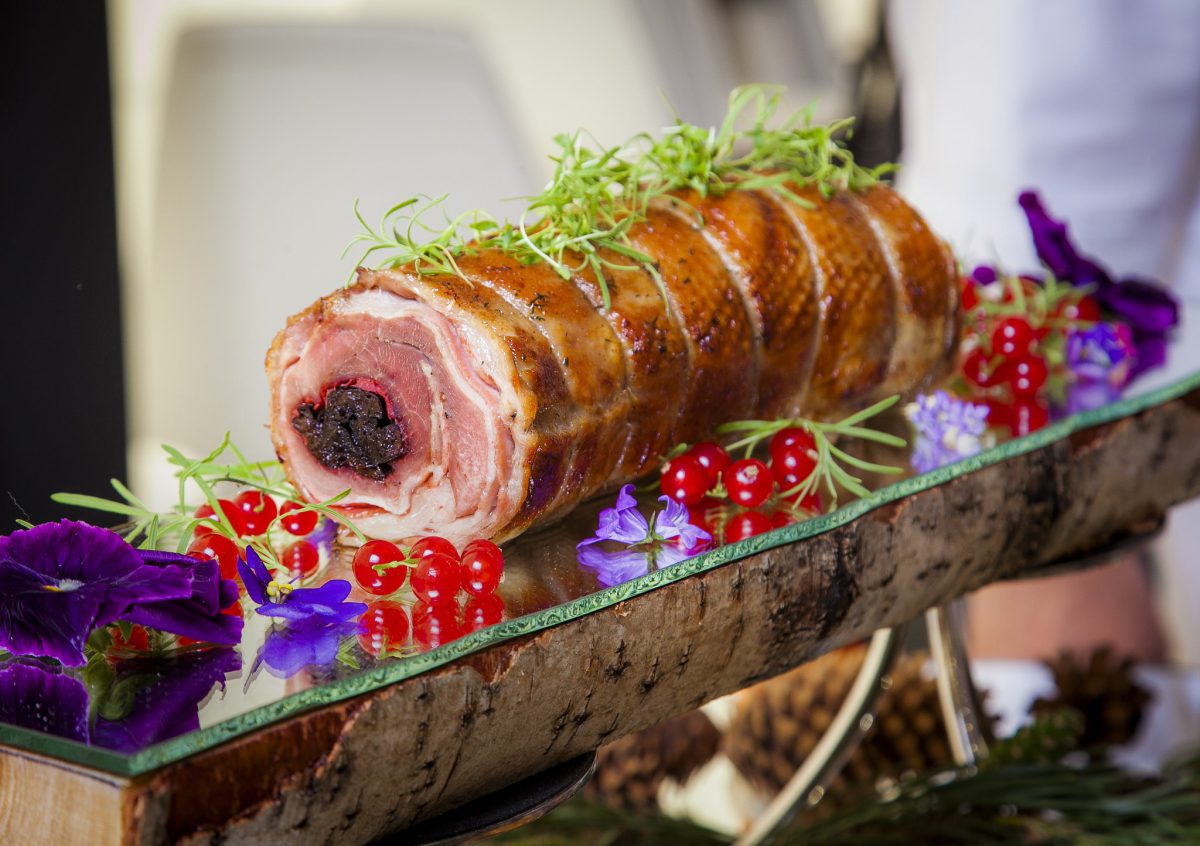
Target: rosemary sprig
{"type": "Point", "coordinates": [150, 529]}
{"type": "Point", "coordinates": [597, 193]}
{"type": "Point", "coordinates": [829, 471]}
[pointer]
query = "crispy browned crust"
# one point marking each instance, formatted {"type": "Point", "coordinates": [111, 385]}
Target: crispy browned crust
{"type": "Point", "coordinates": [772, 308]}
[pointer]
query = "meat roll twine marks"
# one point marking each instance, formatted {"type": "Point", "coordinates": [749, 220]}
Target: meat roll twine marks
{"type": "Point", "coordinates": [581, 219]}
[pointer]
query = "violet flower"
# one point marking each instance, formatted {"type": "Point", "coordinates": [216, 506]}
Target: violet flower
{"type": "Point", "coordinates": [665, 539]}
{"type": "Point", "coordinates": [1103, 352]}
{"type": "Point", "coordinates": [612, 567]}
{"type": "Point", "coordinates": [948, 429]}
{"type": "Point", "coordinates": [1100, 359]}
{"type": "Point", "coordinates": [625, 524]}
{"type": "Point", "coordinates": [323, 536]}
{"type": "Point", "coordinates": [33, 697]}
{"type": "Point", "coordinates": [277, 598]}
{"type": "Point", "coordinates": [1146, 307]}
{"type": "Point", "coordinates": [198, 616]}
{"type": "Point", "coordinates": [304, 642]}
{"type": "Point", "coordinates": [58, 581]}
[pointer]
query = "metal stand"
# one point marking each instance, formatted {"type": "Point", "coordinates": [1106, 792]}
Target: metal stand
{"type": "Point", "coordinates": [956, 694]}
{"type": "Point", "coordinates": [854, 719]}
{"type": "Point", "coordinates": [959, 700]}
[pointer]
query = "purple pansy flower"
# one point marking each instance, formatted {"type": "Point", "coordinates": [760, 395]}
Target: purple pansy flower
{"type": "Point", "coordinates": [35, 698]}
{"type": "Point", "coordinates": [279, 599]}
{"type": "Point", "coordinates": [167, 697]}
{"type": "Point", "coordinates": [948, 429]}
{"type": "Point", "coordinates": [58, 581]}
{"type": "Point", "coordinates": [1146, 307]}
{"type": "Point", "coordinates": [305, 642]}
{"type": "Point", "coordinates": [625, 524]}
{"type": "Point", "coordinates": [199, 615]}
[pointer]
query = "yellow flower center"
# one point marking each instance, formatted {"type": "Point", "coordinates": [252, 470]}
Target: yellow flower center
{"type": "Point", "coordinates": [278, 590]}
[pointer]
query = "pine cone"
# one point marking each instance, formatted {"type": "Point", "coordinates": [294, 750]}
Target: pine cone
{"type": "Point", "coordinates": [1103, 691]}
{"type": "Point", "coordinates": [779, 722]}
{"type": "Point", "coordinates": [630, 771]}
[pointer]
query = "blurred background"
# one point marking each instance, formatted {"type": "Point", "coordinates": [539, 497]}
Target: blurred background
{"type": "Point", "coordinates": [179, 175]}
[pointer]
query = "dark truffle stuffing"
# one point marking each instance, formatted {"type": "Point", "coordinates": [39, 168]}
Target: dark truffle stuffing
{"type": "Point", "coordinates": [352, 429]}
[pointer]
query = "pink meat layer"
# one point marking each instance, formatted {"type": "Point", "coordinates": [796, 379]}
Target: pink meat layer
{"type": "Point", "coordinates": [456, 474]}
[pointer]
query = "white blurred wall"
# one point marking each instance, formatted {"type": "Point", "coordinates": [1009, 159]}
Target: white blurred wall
{"type": "Point", "coordinates": [246, 129]}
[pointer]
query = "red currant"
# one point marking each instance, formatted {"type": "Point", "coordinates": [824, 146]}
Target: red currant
{"type": "Point", "coordinates": [706, 514]}
{"type": "Point", "coordinates": [779, 519]}
{"type": "Point", "coordinates": [792, 438]}
{"type": "Point", "coordinates": [977, 367]}
{"type": "Point", "coordinates": [713, 458]}
{"type": "Point", "coordinates": [257, 510]}
{"type": "Point", "coordinates": [434, 625]}
{"type": "Point", "coordinates": [790, 466]}
{"type": "Point", "coordinates": [1025, 416]}
{"type": "Point", "coordinates": [970, 297]}
{"type": "Point", "coordinates": [684, 479]}
{"type": "Point", "coordinates": [385, 627]}
{"type": "Point", "coordinates": [483, 611]}
{"type": "Point", "coordinates": [139, 638]}
{"type": "Point", "coordinates": [436, 579]}
{"type": "Point", "coordinates": [1026, 376]}
{"type": "Point", "coordinates": [301, 559]}
{"type": "Point", "coordinates": [810, 502]}
{"type": "Point", "coordinates": [296, 522]}
{"type": "Point", "coordinates": [1083, 310]}
{"type": "Point", "coordinates": [998, 410]}
{"type": "Point", "coordinates": [371, 580]}
{"type": "Point", "coordinates": [1012, 337]}
{"type": "Point", "coordinates": [746, 524]}
{"type": "Point", "coordinates": [204, 512]}
{"type": "Point", "coordinates": [431, 544]}
{"type": "Point", "coordinates": [482, 567]}
{"type": "Point", "coordinates": [219, 548]}
{"type": "Point", "coordinates": [749, 482]}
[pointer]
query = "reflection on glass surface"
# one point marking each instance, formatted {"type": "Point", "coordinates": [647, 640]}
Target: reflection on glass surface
{"type": "Point", "coordinates": [153, 707]}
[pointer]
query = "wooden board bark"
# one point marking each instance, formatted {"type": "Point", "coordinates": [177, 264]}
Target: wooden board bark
{"type": "Point", "coordinates": [354, 771]}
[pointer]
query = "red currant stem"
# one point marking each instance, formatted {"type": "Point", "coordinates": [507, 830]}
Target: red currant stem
{"type": "Point", "coordinates": [407, 561]}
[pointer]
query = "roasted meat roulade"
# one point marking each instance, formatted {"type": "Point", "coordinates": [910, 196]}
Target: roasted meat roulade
{"type": "Point", "coordinates": [477, 404]}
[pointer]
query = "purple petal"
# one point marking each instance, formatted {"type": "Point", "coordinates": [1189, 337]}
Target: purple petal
{"type": "Point", "coordinates": [255, 577]}
{"type": "Point", "coordinates": [33, 698]}
{"type": "Point", "coordinates": [984, 274]}
{"type": "Point", "coordinates": [167, 704]}
{"type": "Point", "coordinates": [35, 620]}
{"type": "Point", "coordinates": [325, 601]}
{"type": "Point", "coordinates": [1054, 247]}
{"type": "Point", "coordinates": [1143, 305]}
{"type": "Point", "coordinates": [623, 523]}
{"type": "Point", "coordinates": [312, 642]}
{"type": "Point", "coordinates": [614, 567]}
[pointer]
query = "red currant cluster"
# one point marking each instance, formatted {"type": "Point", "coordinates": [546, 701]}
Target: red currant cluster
{"type": "Point", "coordinates": [390, 626]}
{"type": "Point", "coordinates": [439, 571]}
{"type": "Point", "coordinates": [733, 500]}
{"type": "Point", "coordinates": [1012, 347]}
{"type": "Point", "coordinates": [436, 572]}
{"type": "Point", "coordinates": [251, 514]}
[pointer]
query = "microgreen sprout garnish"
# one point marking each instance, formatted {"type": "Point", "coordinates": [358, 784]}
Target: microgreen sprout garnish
{"type": "Point", "coordinates": [226, 464]}
{"type": "Point", "coordinates": [581, 220]}
{"type": "Point", "coordinates": [828, 471]}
